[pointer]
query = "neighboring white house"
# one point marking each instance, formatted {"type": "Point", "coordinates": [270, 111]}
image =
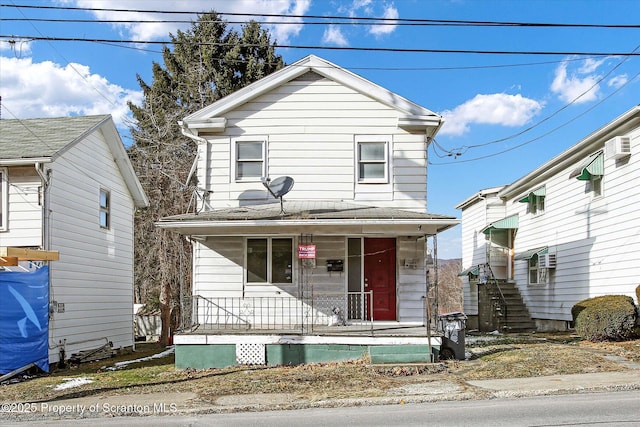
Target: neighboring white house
{"type": "Point", "coordinates": [347, 244]}
{"type": "Point", "coordinates": [566, 231]}
{"type": "Point", "coordinates": [68, 194]}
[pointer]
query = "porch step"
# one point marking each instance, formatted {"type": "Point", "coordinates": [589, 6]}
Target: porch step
{"type": "Point", "coordinates": [518, 318]}
{"type": "Point", "coordinates": [385, 354]}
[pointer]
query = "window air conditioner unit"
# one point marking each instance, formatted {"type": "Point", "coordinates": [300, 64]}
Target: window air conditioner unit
{"type": "Point", "coordinates": [547, 261]}
{"type": "Point", "coordinates": [617, 147]}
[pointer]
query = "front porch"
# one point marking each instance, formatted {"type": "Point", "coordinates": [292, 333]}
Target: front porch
{"type": "Point", "coordinates": [285, 330]}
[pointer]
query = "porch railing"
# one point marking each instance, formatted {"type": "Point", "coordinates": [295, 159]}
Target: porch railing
{"type": "Point", "coordinates": [282, 313]}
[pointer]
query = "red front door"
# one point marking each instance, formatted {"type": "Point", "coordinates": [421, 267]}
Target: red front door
{"type": "Point", "coordinates": [380, 276]}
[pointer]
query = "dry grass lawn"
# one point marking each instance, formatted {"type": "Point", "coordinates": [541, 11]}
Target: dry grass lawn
{"type": "Point", "coordinates": [507, 358]}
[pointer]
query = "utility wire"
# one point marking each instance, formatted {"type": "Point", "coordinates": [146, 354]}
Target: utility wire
{"type": "Point", "coordinates": [391, 21]}
{"type": "Point", "coordinates": [340, 48]}
{"type": "Point", "coordinates": [456, 152]}
{"type": "Point", "coordinates": [544, 134]}
{"type": "Point", "coordinates": [398, 22]}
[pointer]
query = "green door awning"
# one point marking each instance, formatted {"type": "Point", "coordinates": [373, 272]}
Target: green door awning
{"type": "Point", "coordinates": [530, 253]}
{"type": "Point", "coordinates": [538, 192]}
{"type": "Point", "coordinates": [471, 270]}
{"type": "Point", "coordinates": [509, 222]}
{"type": "Point", "coordinates": [592, 166]}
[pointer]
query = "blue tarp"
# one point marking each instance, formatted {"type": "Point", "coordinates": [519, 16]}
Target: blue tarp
{"type": "Point", "coordinates": [24, 319]}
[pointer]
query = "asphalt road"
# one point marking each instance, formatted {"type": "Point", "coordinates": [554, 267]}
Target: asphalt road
{"type": "Point", "coordinates": [587, 409]}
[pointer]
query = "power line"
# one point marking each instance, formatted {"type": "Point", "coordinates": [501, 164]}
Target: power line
{"type": "Point", "coordinates": [338, 21]}
{"type": "Point", "coordinates": [435, 68]}
{"type": "Point", "coordinates": [389, 21]}
{"type": "Point", "coordinates": [459, 151]}
{"type": "Point", "coordinates": [597, 104]}
{"type": "Point", "coordinates": [311, 47]}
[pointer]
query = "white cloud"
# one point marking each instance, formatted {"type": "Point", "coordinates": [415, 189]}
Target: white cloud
{"type": "Point", "coordinates": [618, 81]}
{"type": "Point", "coordinates": [579, 85]}
{"type": "Point", "coordinates": [47, 89]}
{"type": "Point", "coordinates": [390, 12]}
{"type": "Point", "coordinates": [495, 109]}
{"type": "Point", "coordinates": [369, 9]}
{"type": "Point", "coordinates": [590, 65]}
{"type": "Point", "coordinates": [160, 31]}
{"type": "Point", "coordinates": [333, 35]}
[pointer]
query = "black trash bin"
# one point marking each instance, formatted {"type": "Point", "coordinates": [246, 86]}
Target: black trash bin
{"type": "Point", "coordinates": [452, 326]}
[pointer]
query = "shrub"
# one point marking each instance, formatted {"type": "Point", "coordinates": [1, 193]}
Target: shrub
{"type": "Point", "coordinates": [638, 294]}
{"type": "Point", "coordinates": [609, 317]}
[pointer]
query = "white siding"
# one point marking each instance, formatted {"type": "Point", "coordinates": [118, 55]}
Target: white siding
{"type": "Point", "coordinates": [311, 126]}
{"type": "Point", "coordinates": [219, 269]}
{"type": "Point", "coordinates": [596, 241]}
{"type": "Point", "coordinates": [94, 275]}
{"type": "Point", "coordinates": [24, 222]}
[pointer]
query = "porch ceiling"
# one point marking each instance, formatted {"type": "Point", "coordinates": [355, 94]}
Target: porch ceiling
{"type": "Point", "coordinates": [308, 217]}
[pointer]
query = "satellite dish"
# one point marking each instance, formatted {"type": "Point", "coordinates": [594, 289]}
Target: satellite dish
{"type": "Point", "coordinates": [278, 188]}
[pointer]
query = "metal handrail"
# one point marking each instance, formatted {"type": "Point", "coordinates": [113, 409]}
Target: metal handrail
{"type": "Point", "coordinates": [281, 313]}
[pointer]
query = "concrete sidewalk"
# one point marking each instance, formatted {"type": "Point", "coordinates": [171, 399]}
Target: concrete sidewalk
{"type": "Point", "coordinates": [560, 383]}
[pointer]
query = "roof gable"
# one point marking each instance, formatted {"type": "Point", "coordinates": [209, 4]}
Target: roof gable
{"type": "Point", "coordinates": [412, 115]}
{"type": "Point", "coordinates": [44, 137]}
{"type": "Point", "coordinates": [27, 141]}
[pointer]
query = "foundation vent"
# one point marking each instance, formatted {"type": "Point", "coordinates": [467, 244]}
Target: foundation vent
{"type": "Point", "coordinates": [251, 354]}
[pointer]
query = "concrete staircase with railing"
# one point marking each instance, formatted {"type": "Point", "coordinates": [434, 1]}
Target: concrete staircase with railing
{"type": "Point", "coordinates": [513, 313]}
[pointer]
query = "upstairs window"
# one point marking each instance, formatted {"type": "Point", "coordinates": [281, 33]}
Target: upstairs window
{"type": "Point", "coordinates": [372, 157]}
{"type": "Point", "coordinates": [105, 209]}
{"type": "Point", "coordinates": [250, 160]}
{"type": "Point", "coordinates": [4, 199]}
{"type": "Point", "coordinates": [535, 200]}
{"type": "Point", "coordinates": [591, 170]}
{"type": "Point", "coordinates": [269, 260]}
{"type": "Point", "coordinates": [594, 186]}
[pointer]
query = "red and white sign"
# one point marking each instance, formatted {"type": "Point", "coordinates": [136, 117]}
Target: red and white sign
{"type": "Point", "coordinates": [307, 251]}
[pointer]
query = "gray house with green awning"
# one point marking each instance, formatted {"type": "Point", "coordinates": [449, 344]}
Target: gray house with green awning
{"type": "Point", "coordinates": [565, 231]}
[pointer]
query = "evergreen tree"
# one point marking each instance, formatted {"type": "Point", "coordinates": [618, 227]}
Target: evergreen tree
{"type": "Point", "coordinates": [208, 61]}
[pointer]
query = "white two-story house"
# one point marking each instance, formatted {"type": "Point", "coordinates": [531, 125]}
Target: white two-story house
{"type": "Point", "coordinates": [68, 195]}
{"type": "Point", "coordinates": [566, 231]}
{"type": "Point", "coordinates": [313, 219]}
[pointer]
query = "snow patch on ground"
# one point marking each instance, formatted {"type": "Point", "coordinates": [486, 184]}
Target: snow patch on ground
{"type": "Point", "coordinates": [119, 365]}
{"type": "Point", "coordinates": [72, 382]}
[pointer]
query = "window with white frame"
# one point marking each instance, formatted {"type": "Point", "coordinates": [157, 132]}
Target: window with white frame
{"type": "Point", "coordinates": [537, 274]}
{"type": "Point", "coordinates": [105, 209]}
{"type": "Point", "coordinates": [591, 170]}
{"type": "Point", "coordinates": [372, 159]}
{"type": "Point", "coordinates": [269, 260]}
{"type": "Point", "coordinates": [535, 200]}
{"type": "Point", "coordinates": [4, 198]}
{"type": "Point", "coordinates": [594, 186]}
{"type": "Point", "coordinates": [250, 159]}
{"type": "Point", "coordinates": [536, 205]}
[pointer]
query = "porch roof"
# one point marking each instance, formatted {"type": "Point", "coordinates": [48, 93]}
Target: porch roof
{"type": "Point", "coordinates": [473, 270]}
{"type": "Point", "coordinates": [509, 222]}
{"type": "Point", "coordinates": [326, 217]}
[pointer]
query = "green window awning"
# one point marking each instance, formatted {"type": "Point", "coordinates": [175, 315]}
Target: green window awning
{"type": "Point", "coordinates": [592, 166]}
{"type": "Point", "coordinates": [509, 222]}
{"type": "Point", "coordinates": [471, 270]}
{"type": "Point", "coordinates": [538, 192]}
{"type": "Point", "coordinates": [530, 253]}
